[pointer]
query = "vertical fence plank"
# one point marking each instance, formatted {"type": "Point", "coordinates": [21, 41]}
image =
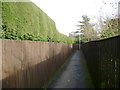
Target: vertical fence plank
{"type": "Point", "coordinates": [30, 64]}
{"type": "Point", "coordinates": [1, 50]}
{"type": "Point", "coordinates": [103, 60]}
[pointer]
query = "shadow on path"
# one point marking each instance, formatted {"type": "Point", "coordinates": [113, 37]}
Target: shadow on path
{"type": "Point", "coordinates": [72, 74]}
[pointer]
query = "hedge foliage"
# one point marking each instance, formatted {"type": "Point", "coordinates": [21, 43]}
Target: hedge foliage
{"type": "Point", "coordinates": [25, 21]}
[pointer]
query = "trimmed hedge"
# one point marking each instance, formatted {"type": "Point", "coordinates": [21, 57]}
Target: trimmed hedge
{"type": "Point", "coordinates": [25, 21]}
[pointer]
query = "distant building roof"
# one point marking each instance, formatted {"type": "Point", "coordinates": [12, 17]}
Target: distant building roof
{"type": "Point", "coordinates": [73, 35]}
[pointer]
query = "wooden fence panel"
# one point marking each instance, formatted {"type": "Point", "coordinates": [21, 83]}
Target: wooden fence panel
{"type": "Point", "coordinates": [103, 60]}
{"type": "Point", "coordinates": [30, 64]}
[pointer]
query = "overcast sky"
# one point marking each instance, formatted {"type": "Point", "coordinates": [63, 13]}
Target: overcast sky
{"type": "Point", "coordinates": [66, 13]}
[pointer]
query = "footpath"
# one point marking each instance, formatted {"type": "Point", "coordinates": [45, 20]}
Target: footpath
{"type": "Point", "coordinates": [72, 75]}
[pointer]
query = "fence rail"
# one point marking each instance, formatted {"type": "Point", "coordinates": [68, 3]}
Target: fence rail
{"type": "Point", "coordinates": [30, 64]}
{"type": "Point", "coordinates": [103, 60]}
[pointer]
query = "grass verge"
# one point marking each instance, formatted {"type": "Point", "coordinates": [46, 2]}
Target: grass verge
{"type": "Point", "coordinates": [88, 77]}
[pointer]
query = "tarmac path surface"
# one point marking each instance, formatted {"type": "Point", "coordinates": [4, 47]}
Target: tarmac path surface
{"type": "Point", "coordinates": [72, 74]}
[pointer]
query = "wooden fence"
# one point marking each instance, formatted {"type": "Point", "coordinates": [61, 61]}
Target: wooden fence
{"type": "Point", "coordinates": [103, 60]}
{"type": "Point", "coordinates": [30, 64]}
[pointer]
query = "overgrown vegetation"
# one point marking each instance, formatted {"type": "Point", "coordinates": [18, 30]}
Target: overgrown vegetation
{"type": "Point", "coordinates": [105, 28]}
{"type": "Point", "coordinates": [25, 21]}
{"type": "Point", "coordinates": [86, 30]}
{"type": "Point", "coordinates": [107, 25]}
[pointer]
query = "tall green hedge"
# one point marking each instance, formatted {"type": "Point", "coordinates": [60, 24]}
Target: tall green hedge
{"type": "Point", "coordinates": [25, 21]}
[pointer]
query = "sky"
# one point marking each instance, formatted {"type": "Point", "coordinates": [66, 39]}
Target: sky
{"type": "Point", "coordinates": [67, 13]}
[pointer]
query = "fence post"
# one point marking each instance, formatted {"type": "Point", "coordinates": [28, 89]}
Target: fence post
{"type": "Point", "coordinates": [1, 64]}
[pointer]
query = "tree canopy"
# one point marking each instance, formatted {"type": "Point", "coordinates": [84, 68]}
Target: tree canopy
{"type": "Point", "coordinates": [87, 29]}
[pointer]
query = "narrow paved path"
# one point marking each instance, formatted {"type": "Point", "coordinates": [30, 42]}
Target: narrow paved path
{"type": "Point", "coordinates": [72, 75]}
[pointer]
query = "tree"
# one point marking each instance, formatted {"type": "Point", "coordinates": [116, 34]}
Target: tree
{"type": "Point", "coordinates": [87, 29]}
{"type": "Point", "coordinates": [108, 24]}
{"type": "Point", "coordinates": [108, 27]}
